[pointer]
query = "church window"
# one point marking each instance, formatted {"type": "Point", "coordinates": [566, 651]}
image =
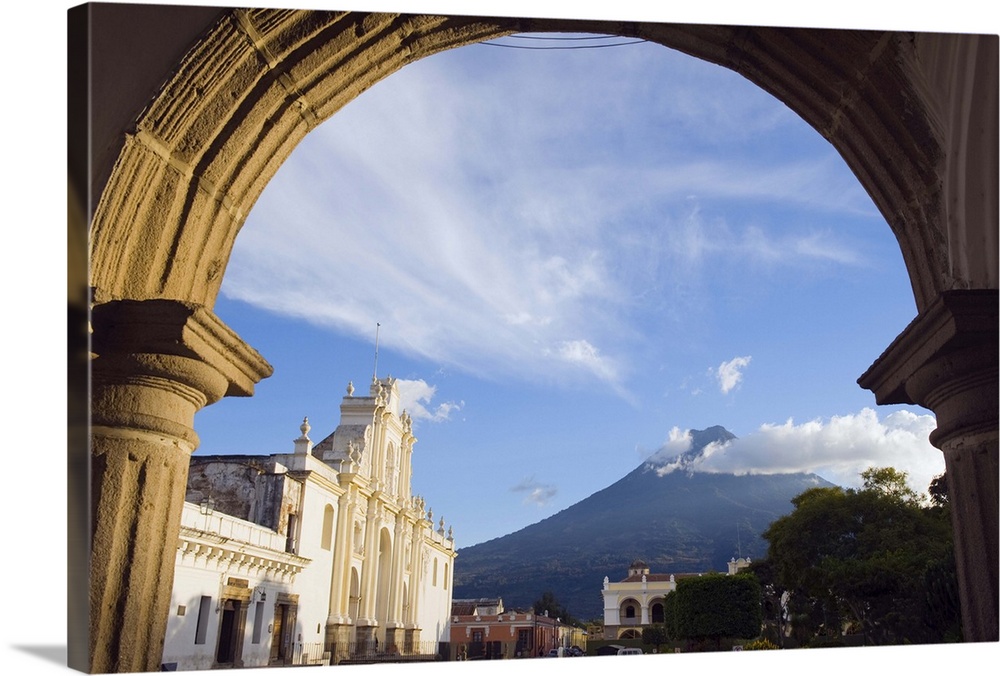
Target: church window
{"type": "Point", "coordinates": [290, 536]}
{"type": "Point", "coordinates": [327, 536]}
{"type": "Point", "coordinates": [204, 611]}
{"type": "Point", "coordinates": [258, 621]}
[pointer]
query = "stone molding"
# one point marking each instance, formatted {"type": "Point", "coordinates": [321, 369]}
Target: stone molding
{"type": "Point", "coordinates": [178, 329]}
{"type": "Point", "coordinates": [200, 153]}
{"type": "Point", "coordinates": [945, 360]}
{"type": "Point", "coordinates": [957, 319]}
{"type": "Point", "coordinates": [227, 553]}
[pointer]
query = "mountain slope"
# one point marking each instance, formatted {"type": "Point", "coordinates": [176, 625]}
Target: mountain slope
{"type": "Point", "coordinates": [679, 522]}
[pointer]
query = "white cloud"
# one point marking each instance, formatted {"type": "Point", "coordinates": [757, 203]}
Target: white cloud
{"type": "Point", "coordinates": [415, 398]}
{"type": "Point", "coordinates": [535, 493]}
{"type": "Point", "coordinates": [730, 373]}
{"type": "Point", "coordinates": [667, 458]}
{"type": "Point", "coordinates": [838, 449]}
{"type": "Point", "coordinates": [586, 355]}
{"type": "Point", "coordinates": [486, 226]}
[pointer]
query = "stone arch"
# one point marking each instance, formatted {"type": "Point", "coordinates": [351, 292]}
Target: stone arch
{"type": "Point", "coordinates": [629, 611]}
{"type": "Point", "coordinates": [259, 80]}
{"type": "Point", "coordinates": [913, 115]}
{"type": "Point", "coordinates": [656, 608]}
{"type": "Point", "coordinates": [354, 595]}
{"type": "Point", "coordinates": [384, 580]}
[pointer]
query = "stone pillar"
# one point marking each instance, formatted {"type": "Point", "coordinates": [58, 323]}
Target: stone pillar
{"type": "Point", "coordinates": [366, 621]}
{"type": "Point", "coordinates": [946, 360]}
{"type": "Point", "coordinates": [155, 363]}
{"type": "Point", "coordinates": [338, 627]}
{"type": "Point", "coordinates": [394, 615]}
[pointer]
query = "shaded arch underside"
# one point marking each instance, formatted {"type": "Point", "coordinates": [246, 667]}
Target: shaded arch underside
{"type": "Point", "coordinates": [241, 100]}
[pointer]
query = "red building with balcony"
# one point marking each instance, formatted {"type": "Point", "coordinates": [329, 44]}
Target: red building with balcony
{"type": "Point", "coordinates": [482, 630]}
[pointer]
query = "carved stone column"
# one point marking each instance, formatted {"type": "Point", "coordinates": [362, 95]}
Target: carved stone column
{"type": "Point", "coordinates": [155, 363]}
{"type": "Point", "coordinates": [338, 622]}
{"type": "Point", "coordinates": [946, 360]}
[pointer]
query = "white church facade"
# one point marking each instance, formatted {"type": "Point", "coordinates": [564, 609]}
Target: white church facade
{"type": "Point", "coordinates": [317, 556]}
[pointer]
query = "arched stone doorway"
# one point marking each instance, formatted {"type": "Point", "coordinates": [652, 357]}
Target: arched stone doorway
{"type": "Point", "coordinates": [174, 182]}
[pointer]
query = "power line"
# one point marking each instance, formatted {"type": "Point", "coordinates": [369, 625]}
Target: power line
{"type": "Point", "coordinates": [617, 44]}
{"type": "Point", "coordinates": [562, 37]}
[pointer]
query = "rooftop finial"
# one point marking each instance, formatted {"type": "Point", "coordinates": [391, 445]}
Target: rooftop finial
{"type": "Point", "coordinates": [303, 445]}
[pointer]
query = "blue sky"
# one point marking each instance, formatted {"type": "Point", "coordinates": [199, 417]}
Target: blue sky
{"type": "Point", "coordinates": [575, 256]}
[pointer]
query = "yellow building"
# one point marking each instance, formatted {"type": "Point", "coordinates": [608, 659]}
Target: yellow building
{"type": "Point", "coordinates": [637, 601]}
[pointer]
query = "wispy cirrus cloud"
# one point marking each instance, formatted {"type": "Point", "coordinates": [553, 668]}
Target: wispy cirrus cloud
{"type": "Point", "coordinates": [484, 226]}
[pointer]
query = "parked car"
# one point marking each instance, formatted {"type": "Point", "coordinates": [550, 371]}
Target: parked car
{"type": "Point", "coordinates": [575, 651]}
{"type": "Point", "coordinates": [630, 651]}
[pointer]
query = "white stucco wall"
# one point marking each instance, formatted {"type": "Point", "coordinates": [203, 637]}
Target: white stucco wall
{"type": "Point", "coordinates": [313, 584]}
{"type": "Point", "coordinates": [435, 600]}
{"type": "Point", "coordinates": [205, 561]}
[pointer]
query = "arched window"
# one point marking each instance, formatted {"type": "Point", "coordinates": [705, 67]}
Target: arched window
{"type": "Point", "coordinates": [354, 600]}
{"type": "Point", "coordinates": [326, 539]}
{"type": "Point", "coordinates": [445, 575]}
{"type": "Point", "coordinates": [628, 612]}
{"type": "Point", "coordinates": [656, 614]}
{"type": "Point", "coordinates": [434, 578]}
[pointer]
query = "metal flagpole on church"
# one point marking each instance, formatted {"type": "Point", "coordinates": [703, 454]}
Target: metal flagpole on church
{"type": "Point", "coordinates": [375, 368]}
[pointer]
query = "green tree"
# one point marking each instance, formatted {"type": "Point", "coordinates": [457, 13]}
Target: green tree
{"type": "Point", "coordinates": [670, 616]}
{"type": "Point", "coordinates": [548, 602]}
{"type": "Point", "coordinates": [772, 605]}
{"type": "Point", "coordinates": [655, 635]}
{"type": "Point", "coordinates": [890, 482]}
{"type": "Point", "coordinates": [713, 607]}
{"type": "Point", "coordinates": [938, 490]}
{"type": "Point", "coordinates": [863, 559]}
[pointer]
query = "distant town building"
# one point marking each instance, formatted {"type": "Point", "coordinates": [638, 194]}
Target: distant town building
{"type": "Point", "coordinates": [317, 556]}
{"type": "Point", "coordinates": [481, 629]}
{"type": "Point", "coordinates": [480, 607]}
{"type": "Point", "coordinates": [637, 601]}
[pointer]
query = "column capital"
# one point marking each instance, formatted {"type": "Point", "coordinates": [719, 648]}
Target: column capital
{"type": "Point", "coordinates": [956, 320]}
{"type": "Point", "coordinates": [179, 329]}
{"type": "Point", "coordinates": [946, 361]}
{"type": "Point", "coordinates": [155, 363]}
